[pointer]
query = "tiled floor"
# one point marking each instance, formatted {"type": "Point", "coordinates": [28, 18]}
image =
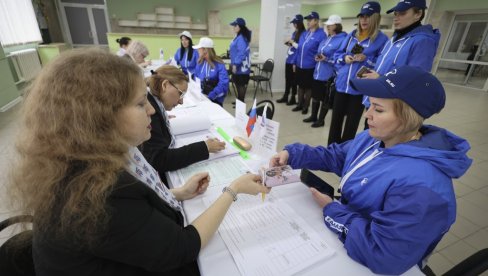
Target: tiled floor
{"type": "Point", "coordinates": [466, 114]}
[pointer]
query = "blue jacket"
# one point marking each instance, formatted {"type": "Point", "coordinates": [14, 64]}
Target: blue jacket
{"type": "Point", "coordinates": [324, 70]}
{"type": "Point", "coordinates": [292, 51]}
{"type": "Point", "coordinates": [396, 207]}
{"type": "Point", "coordinates": [416, 48]}
{"type": "Point", "coordinates": [219, 73]}
{"type": "Point", "coordinates": [240, 55]}
{"type": "Point", "coordinates": [187, 66]}
{"type": "Point", "coordinates": [307, 48]}
{"type": "Point", "coordinates": [345, 72]}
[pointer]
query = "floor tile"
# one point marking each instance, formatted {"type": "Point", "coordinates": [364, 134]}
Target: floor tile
{"type": "Point", "coordinates": [458, 251]}
{"type": "Point", "coordinates": [439, 264]}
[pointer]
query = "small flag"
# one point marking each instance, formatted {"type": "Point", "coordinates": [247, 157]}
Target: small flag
{"type": "Point", "coordinates": [252, 119]}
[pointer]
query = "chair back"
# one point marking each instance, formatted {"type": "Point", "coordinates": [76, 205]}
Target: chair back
{"type": "Point", "coordinates": [268, 66]}
{"type": "Point", "coordinates": [16, 252]}
{"type": "Point", "coordinates": [260, 109]}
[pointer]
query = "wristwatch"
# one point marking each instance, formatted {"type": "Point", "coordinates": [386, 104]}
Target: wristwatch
{"type": "Point", "coordinates": [231, 192]}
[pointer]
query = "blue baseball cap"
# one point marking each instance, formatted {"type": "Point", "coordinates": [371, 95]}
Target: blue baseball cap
{"type": "Point", "coordinates": [239, 21]}
{"type": "Point", "coordinates": [404, 5]}
{"type": "Point", "coordinates": [298, 18]}
{"type": "Point", "coordinates": [419, 89]}
{"type": "Point", "coordinates": [369, 8]}
{"type": "Point", "coordinates": [312, 15]}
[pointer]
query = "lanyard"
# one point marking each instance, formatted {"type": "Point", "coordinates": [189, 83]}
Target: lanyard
{"type": "Point", "coordinates": [370, 157]}
{"type": "Point", "coordinates": [166, 121]}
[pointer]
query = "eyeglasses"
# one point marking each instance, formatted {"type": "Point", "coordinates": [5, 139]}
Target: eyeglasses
{"type": "Point", "coordinates": [182, 94]}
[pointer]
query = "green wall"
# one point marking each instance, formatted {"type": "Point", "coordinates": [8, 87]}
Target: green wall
{"type": "Point", "coordinates": [452, 5]}
{"type": "Point", "coordinates": [128, 9]}
{"type": "Point", "coordinates": [346, 9]}
{"type": "Point", "coordinates": [170, 43]}
{"type": "Point", "coordinates": [250, 12]}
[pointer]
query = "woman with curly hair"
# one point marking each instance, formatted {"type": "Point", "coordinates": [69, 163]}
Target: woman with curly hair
{"type": "Point", "coordinates": [99, 208]}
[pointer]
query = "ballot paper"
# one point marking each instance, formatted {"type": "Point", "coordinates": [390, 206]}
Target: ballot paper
{"type": "Point", "coordinates": [222, 171]}
{"type": "Point", "coordinates": [182, 124]}
{"type": "Point", "coordinates": [183, 140]}
{"type": "Point", "coordinates": [269, 238]}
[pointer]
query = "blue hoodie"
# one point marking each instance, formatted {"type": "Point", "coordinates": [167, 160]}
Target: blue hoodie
{"type": "Point", "coordinates": [292, 51]}
{"type": "Point", "coordinates": [395, 208]}
{"type": "Point", "coordinates": [240, 55]}
{"type": "Point", "coordinates": [218, 73]}
{"type": "Point", "coordinates": [416, 48]}
{"type": "Point", "coordinates": [186, 65]}
{"type": "Point", "coordinates": [324, 70]}
{"type": "Point", "coordinates": [307, 48]}
{"type": "Point", "coordinates": [345, 72]}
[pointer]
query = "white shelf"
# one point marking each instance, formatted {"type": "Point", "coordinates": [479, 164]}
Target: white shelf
{"type": "Point", "coordinates": [183, 19]}
{"type": "Point", "coordinates": [146, 16]}
{"type": "Point", "coordinates": [147, 23]}
{"type": "Point", "coordinates": [164, 10]}
{"type": "Point", "coordinates": [165, 25]}
{"type": "Point", "coordinates": [129, 23]}
{"type": "Point", "coordinates": [165, 18]}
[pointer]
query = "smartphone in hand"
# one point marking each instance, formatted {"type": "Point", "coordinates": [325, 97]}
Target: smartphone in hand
{"type": "Point", "coordinates": [311, 180]}
{"type": "Point", "coordinates": [362, 71]}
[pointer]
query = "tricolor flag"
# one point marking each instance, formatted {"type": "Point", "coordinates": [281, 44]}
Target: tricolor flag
{"type": "Point", "coordinates": [252, 119]}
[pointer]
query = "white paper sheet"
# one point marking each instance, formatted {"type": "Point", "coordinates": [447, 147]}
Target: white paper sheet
{"type": "Point", "coordinates": [269, 238]}
{"type": "Point", "coordinates": [241, 117]}
{"type": "Point", "coordinates": [183, 140]}
{"type": "Point", "coordinates": [182, 124]}
{"type": "Point", "coordinates": [222, 171]}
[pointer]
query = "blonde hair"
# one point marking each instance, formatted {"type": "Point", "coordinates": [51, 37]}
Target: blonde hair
{"type": "Point", "coordinates": [212, 57]}
{"type": "Point", "coordinates": [70, 146]}
{"type": "Point", "coordinates": [137, 48]}
{"type": "Point", "coordinates": [374, 26]}
{"type": "Point", "coordinates": [165, 72]}
{"type": "Point", "coordinates": [409, 118]}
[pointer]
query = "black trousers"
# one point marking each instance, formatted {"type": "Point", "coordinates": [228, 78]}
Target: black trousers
{"type": "Point", "coordinates": [290, 80]}
{"type": "Point", "coordinates": [345, 105]}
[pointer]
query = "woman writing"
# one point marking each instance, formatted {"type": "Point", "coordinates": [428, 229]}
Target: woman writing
{"type": "Point", "coordinates": [167, 87]}
{"type": "Point", "coordinates": [305, 60]}
{"type": "Point", "coordinates": [324, 73]}
{"type": "Point", "coordinates": [240, 60]}
{"type": "Point", "coordinates": [290, 82]}
{"type": "Point", "coordinates": [138, 52]}
{"type": "Point", "coordinates": [185, 56]}
{"type": "Point", "coordinates": [397, 197]}
{"type": "Point", "coordinates": [99, 207]}
{"type": "Point", "coordinates": [360, 48]}
{"type": "Point", "coordinates": [211, 71]}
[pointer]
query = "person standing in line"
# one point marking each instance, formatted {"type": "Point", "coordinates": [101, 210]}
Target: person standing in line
{"type": "Point", "coordinates": [292, 43]}
{"type": "Point", "coordinates": [123, 44]}
{"type": "Point", "coordinates": [211, 71]}
{"type": "Point", "coordinates": [360, 48]}
{"type": "Point", "coordinates": [240, 59]}
{"type": "Point", "coordinates": [325, 71]}
{"type": "Point", "coordinates": [305, 60]}
{"type": "Point", "coordinates": [185, 56]}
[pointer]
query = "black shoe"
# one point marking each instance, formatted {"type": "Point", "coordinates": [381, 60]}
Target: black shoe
{"type": "Point", "coordinates": [310, 119]}
{"type": "Point", "coordinates": [284, 99]}
{"type": "Point", "coordinates": [318, 124]}
{"type": "Point", "coordinates": [305, 111]}
{"type": "Point", "coordinates": [297, 108]}
{"type": "Point", "coordinates": [292, 101]}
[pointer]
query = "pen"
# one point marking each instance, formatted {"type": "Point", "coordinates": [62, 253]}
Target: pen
{"type": "Point", "coordinates": [263, 195]}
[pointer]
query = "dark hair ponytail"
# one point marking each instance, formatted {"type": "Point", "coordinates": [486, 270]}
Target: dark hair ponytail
{"type": "Point", "coordinates": [190, 49]}
{"type": "Point", "coordinates": [123, 41]}
{"type": "Point", "coordinates": [245, 32]}
{"type": "Point", "coordinates": [299, 31]}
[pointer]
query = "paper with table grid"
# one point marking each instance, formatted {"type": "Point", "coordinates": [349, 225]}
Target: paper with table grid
{"type": "Point", "coordinates": [269, 238]}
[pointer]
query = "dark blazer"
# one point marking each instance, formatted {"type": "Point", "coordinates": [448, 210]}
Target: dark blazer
{"type": "Point", "coordinates": [157, 152]}
{"type": "Point", "coordinates": [144, 236]}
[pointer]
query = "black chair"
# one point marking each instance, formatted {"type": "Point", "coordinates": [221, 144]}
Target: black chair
{"type": "Point", "coordinates": [260, 109]}
{"type": "Point", "coordinates": [16, 252]}
{"type": "Point", "coordinates": [472, 266]}
{"type": "Point", "coordinates": [264, 75]}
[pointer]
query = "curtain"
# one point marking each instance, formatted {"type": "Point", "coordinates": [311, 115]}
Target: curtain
{"type": "Point", "coordinates": [18, 24]}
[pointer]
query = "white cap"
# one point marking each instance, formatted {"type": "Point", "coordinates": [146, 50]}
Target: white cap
{"type": "Point", "coordinates": [185, 33]}
{"type": "Point", "coordinates": [333, 19]}
{"type": "Point", "coordinates": [205, 42]}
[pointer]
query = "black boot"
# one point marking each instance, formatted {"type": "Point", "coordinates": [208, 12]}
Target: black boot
{"type": "Point", "coordinates": [297, 108]}
{"type": "Point", "coordinates": [283, 99]}
{"type": "Point", "coordinates": [315, 111]}
{"type": "Point", "coordinates": [323, 112]}
{"type": "Point", "coordinates": [292, 100]}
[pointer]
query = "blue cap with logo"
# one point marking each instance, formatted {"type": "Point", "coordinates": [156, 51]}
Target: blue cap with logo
{"type": "Point", "coordinates": [298, 18]}
{"type": "Point", "coordinates": [404, 5]}
{"type": "Point", "coordinates": [369, 8]}
{"type": "Point", "coordinates": [239, 21]}
{"type": "Point", "coordinates": [419, 89]}
{"type": "Point", "coordinates": [312, 15]}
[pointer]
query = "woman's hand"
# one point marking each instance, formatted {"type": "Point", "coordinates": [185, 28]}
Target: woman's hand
{"type": "Point", "coordinates": [249, 184]}
{"type": "Point", "coordinates": [320, 57]}
{"type": "Point", "coordinates": [321, 199]}
{"type": "Point", "coordinates": [348, 59]}
{"type": "Point", "coordinates": [214, 145]}
{"type": "Point", "coordinates": [279, 159]}
{"type": "Point", "coordinates": [196, 185]}
{"type": "Point", "coordinates": [359, 57]}
{"type": "Point", "coordinates": [370, 75]}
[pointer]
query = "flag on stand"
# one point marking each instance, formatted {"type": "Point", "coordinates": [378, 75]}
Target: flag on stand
{"type": "Point", "coordinates": [252, 119]}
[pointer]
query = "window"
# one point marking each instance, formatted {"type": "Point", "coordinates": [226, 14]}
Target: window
{"type": "Point", "coordinates": [18, 24]}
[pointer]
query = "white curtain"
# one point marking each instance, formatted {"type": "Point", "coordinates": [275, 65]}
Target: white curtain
{"type": "Point", "coordinates": [18, 24]}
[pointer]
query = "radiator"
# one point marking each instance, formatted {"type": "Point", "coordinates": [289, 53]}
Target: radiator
{"type": "Point", "coordinates": [26, 63]}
